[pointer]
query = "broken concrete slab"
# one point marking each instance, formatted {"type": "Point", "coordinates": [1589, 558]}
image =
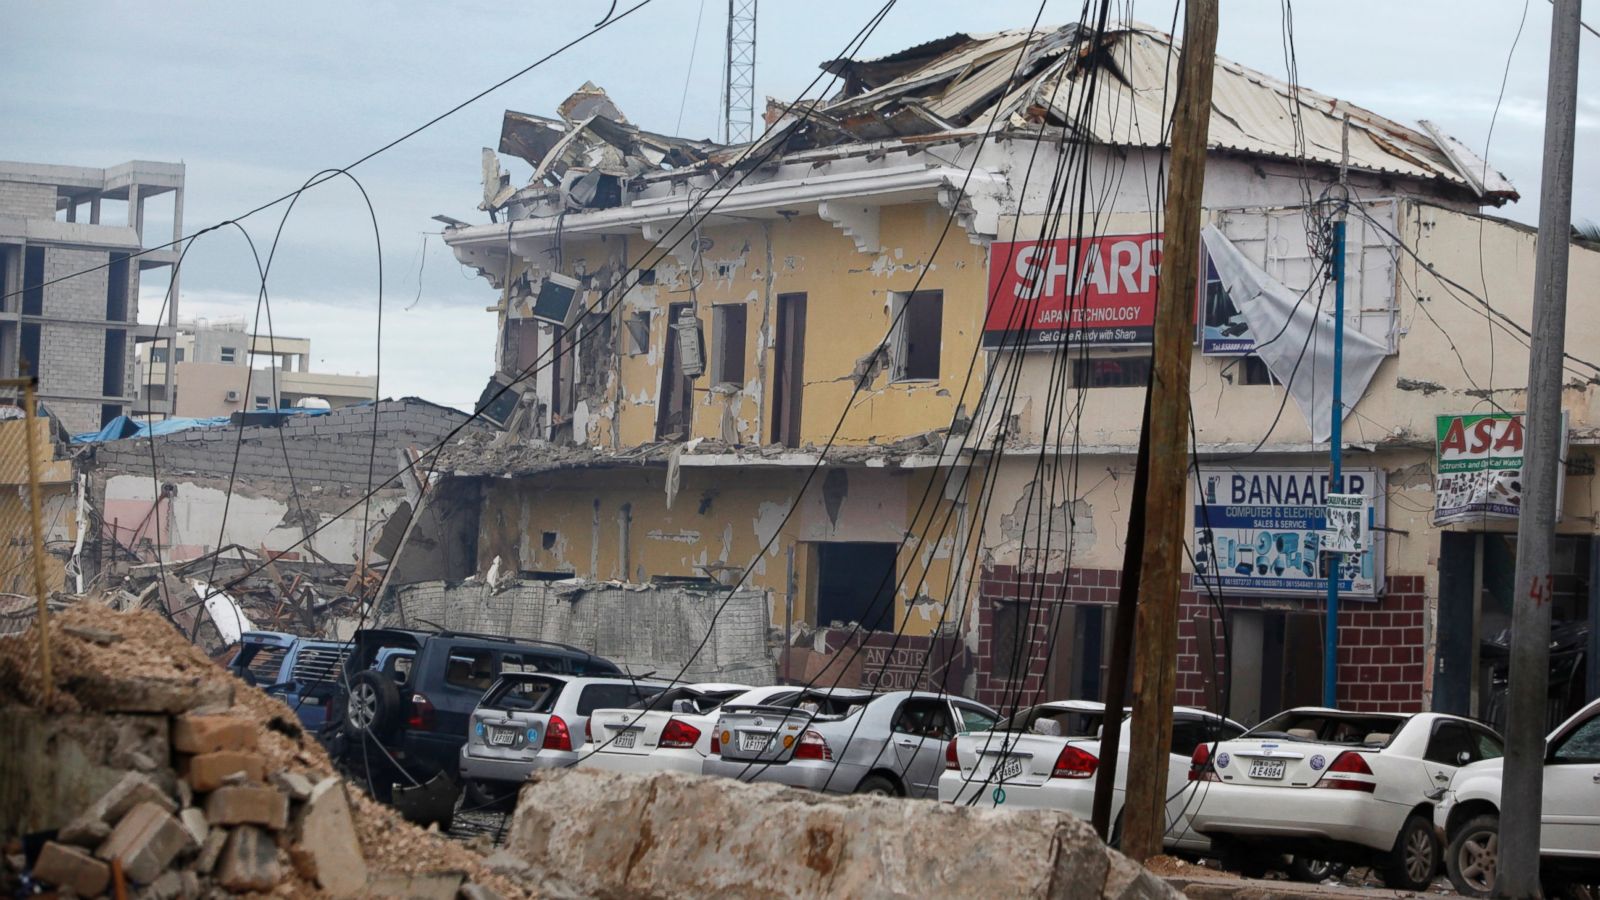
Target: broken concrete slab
{"type": "Point", "coordinates": [249, 861]}
{"type": "Point", "coordinates": [296, 785]}
{"type": "Point", "coordinates": [426, 886]}
{"type": "Point", "coordinates": [326, 837]}
{"type": "Point", "coordinates": [82, 757]}
{"type": "Point", "coordinates": [72, 867]}
{"type": "Point", "coordinates": [850, 846]}
{"type": "Point", "coordinates": [146, 840]}
{"type": "Point", "coordinates": [94, 824]}
{"type": "Point", "coordinates": [195, 820]}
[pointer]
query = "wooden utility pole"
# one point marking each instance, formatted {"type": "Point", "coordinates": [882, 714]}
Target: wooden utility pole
{"type": "Point", "coordinates": [1155, 657]}
{"type": "Point", "coordinates": [1522, 786]}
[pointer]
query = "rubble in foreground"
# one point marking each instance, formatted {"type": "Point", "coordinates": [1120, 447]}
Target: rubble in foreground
{"type": "Point", "coordinates": [241, 801]}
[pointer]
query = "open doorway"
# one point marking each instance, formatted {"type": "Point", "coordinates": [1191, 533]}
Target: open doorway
{"type": "Point", "coordinates": [856, 583]}
{"type": "Point", "coordinates": [1477, 581]}
{"type": "Point", "coordinates": [1276, 662]}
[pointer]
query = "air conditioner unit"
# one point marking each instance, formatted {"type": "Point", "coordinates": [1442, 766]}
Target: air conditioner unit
{"type": "Point", "coordinates": [231, 396]}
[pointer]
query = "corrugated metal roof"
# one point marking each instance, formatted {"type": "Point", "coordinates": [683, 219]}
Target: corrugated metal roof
{"type": "Point", "coordinates": [1252, 112]}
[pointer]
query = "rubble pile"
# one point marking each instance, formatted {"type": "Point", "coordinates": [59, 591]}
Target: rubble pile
{"type": "Point", "coordinates": [245, 801]}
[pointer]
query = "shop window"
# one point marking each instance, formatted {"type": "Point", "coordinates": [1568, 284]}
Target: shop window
{"type": "Point", "coordinates": [919, 324]}
{"type": "Point", "coordinates": [728, 336]}
{"type": "Point", "coordinates": [856, 583]}
{"type": "Point", "coordinates": [1111, 371]}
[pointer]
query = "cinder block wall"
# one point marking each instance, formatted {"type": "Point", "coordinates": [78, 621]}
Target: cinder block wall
{"type": "Point", "coordinates": [30, 201]}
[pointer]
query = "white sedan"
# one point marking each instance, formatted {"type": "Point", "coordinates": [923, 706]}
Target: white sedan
{"type": "Point", "coordinates": [1569, 835]}
{"type": "Point", "coordinates": [1048, 757]}
{"type": "Point", "coordinates": [670, 732]}
{"type": "Point", "coordinates": [1342, 786]}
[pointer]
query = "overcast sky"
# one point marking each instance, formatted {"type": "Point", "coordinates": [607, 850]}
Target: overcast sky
{"type": "Point", "coordinates": [256, 98]}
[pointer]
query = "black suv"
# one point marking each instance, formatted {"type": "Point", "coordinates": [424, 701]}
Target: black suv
{"type": "Point", "coordinates": [401, 713]}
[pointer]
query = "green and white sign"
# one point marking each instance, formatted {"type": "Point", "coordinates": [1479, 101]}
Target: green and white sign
{"type": "Point", "coordinates": [1478, 467]}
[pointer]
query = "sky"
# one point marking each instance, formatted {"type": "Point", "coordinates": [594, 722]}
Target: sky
{"type": "Point", "coordinates": [257, 98]}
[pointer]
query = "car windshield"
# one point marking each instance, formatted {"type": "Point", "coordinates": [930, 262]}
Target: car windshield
{"type": "Point", "coordinates": [1329, 727]}
{"type": "Point", "coordinates": [524, 694]}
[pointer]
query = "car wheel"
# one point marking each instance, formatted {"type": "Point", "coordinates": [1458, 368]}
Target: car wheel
{"type": "Point", "coordinates": [1415, 858]}
{"type": "Point", "coordinates": [1473, 859]}
{"type": "Point", "coordinates": [877, 786]}
{"type": "Point", "coordinates": [1314, 871]}
{"type": "Point", "coordinates": [372, 705]}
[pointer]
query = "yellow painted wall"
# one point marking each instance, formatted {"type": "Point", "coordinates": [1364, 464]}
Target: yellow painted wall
{"type": "Point", "coordinates": [616, 524]}
{"type": "Point", "coordinates": [57, 503]}
{"type": "Point", "coordinates": [848, 314]}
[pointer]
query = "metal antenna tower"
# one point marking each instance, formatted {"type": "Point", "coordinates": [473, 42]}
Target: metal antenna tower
{"type": "Point", "coordinates": [739, 77]}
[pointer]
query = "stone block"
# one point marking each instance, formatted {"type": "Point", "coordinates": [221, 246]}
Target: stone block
{"type": "Point", "coordinates": [249, 861]}
{"type": "Point", "coordinates": [94, 824]}
{"type": "Point", "coordinates": [211, 851]}
{"type": "Point", "coordinates": [195, 820]}
{"type": "Point", "coordinates": [296, 785]}
{"type": "Point", "coordinates": [209, 771]}
{"type": "Point", "coordinates": [146, 840]}
{"type": "Point", "coordinates": [209, 734]}
{"type": "Point", "coordinates": [72, 867]}
{"type": "Point", "coordinates": [248, 805]}
{"type": "Point", "coordinates": [325, 835]}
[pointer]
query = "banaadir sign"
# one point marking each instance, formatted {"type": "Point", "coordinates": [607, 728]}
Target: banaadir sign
{"type": "Point", "coordinates": [1099, 291]}
{"type": "Point", "coordinates": [1259, 531]}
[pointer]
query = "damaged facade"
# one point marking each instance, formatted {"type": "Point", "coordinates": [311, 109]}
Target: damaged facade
{"type": "Point", "coordinates": [887, 282]}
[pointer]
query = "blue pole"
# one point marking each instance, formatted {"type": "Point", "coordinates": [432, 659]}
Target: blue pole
{"type": "Point", "coordinates": [1330, 649]}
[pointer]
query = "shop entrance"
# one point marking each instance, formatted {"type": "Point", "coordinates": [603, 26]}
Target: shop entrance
{"type": "Point", "coordinates": [1477, 573]}
{"type": "Point", "coordinates": [1276, 662]}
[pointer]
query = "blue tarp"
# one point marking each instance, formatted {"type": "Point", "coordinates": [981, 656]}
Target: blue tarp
{"type": "Point", "coordinates": [124, 427]}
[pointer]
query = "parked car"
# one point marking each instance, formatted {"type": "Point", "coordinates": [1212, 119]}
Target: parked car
{"type": "Point", "coordinates": [300, 671]}
{"type": "Point", "coordinates": [1039, 764]}
{"type": "Point", "coordinates": [529, 721]}
{"type": "Point", "coordinates": [405, 699]}
{"type": "Point", "coordinates": [845, 741]}
{"type": "Point", "coordinates": [1569, 835]}
{"type": "Point", "coordinates": [1340, 786]}
{"type": "Point", "coordinates": [671, 731]}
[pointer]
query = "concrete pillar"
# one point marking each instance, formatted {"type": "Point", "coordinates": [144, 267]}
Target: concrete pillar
{"type": "Point", "coordinates": [172, 304]}
{"type": "Point", "coordinates": [94, 211]}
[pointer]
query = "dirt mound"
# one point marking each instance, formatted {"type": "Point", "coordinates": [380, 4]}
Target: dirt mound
{"type": "Point", "coordinates": [111, 663]}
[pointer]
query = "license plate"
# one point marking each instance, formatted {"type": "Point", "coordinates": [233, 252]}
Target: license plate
{"type": "Point", "coordinates": [502, 737]}
{"type": "Point", "coordinates": [625, 739]}
{"type": "Point", "coordinates": [1266, 768]}
{"type": "Point", "coordinates": [752, 742]}
{"type": "Point", "coordinates": [1010, 767]}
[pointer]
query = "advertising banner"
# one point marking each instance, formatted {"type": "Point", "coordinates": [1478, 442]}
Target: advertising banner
{"type": "Point", "coordinates": [1223, 330]}
{"type": "Point", "coordinates": [1345, 530]}
{"type": "Point", "coordinates": [1097, 291]}
{"type": "Point", "coordinates": [1259, 531]}
{"type": "Point", "coordinates": [1478, 467]}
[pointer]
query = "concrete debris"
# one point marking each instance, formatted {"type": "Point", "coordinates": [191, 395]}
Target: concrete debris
{"type": "Point", "coordinates": [262, 809]}
{"type": "Point", "coordinates": [841, 846]}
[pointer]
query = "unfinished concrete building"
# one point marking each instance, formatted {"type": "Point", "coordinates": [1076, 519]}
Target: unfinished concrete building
{"type": "Point", "coordinates": [874, 365]}
{"type": "Point", "coordinates": [72, 248]}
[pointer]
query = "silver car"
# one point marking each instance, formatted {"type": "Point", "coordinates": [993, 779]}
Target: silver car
{"type": "Point", "coordinates": [845, 741]}
{"type": "Point", "coordinates": [529, 721]}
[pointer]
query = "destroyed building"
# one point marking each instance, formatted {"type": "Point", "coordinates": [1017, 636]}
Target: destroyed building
{"type": "Point", "coordinates": [77, 334]}
{"type": "Point", "coordinates": [884, 365]}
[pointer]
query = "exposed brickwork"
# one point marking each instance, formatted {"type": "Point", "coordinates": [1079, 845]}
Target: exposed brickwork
{"type": "Point", "coordinates": [30, 201]}
{"type": "Point", "coordinates": [1380, 643]}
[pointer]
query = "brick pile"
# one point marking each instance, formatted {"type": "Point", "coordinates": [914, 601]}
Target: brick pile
{"type": "Point", "coordinates": [244, 803]}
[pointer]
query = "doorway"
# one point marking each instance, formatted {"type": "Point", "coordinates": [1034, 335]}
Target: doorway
{"type": "Point", "coordinates": [788, 386]}
{"type": "Point", "coordinates": [674, 410]}
{"type": "Point", "coordinates": [856, 583]}
{"type": "Point", "coordinates": [1276, 662]}
{"type": "Point", "coordinates": [1477, 581]}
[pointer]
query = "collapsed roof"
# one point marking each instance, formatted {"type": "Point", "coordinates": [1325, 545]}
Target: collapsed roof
{"type": "Point", "coordinates": [1114, 88]}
